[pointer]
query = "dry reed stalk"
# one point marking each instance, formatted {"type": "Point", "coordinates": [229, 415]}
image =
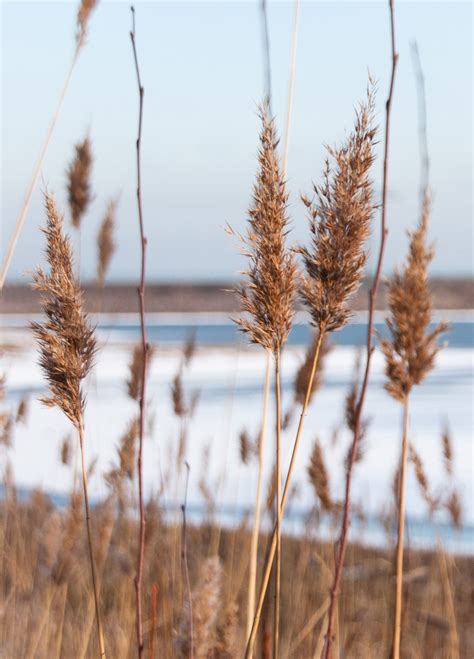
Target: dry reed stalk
{"type": "Point", "coordinates": [340, 221]}
{"type": "Point", "coordinates": [256, 525]}
{"type": "Point", "coordinates": [258, 496]}
{"type": "Point", "coordinates": [272, 548]}
{"type": "Point", "coordinates": [67, 348]}
{"type": "Point", "coordinates": [449, 602]}
{"type": "Point", "coordinates": [83, 16]}
{"type": "Point", "coordinates": [268, 298]}
{"type": "Point", "coordinates": [358, 426]}
{"type": "Point", "coordinates": [409, 353]}
{"type": "Point", "coordinates": [291, 85]}
{"type": "Point", "coordinates": [105, 241]}
{"type": "Point", "coordinates": [144, 352]}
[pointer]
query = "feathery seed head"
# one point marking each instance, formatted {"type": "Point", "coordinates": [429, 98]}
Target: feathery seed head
{"type": "Point", "coordinates": [411, 348]}
{"type": "Point", "coordinates": [319, 478]}
{"type": "Point", "coordinates": [304, 372]}
{"type": "Point", "coordinates": [105, 242]}
{"type": "Point", "coordinates": [78, 185]}
{"type": "Point", "coordinates": [269, 293]}
{"type": "Point", "coordinates": [66, 338]}
{"type": "Point", "coordinates": [86, 8]}
{"type": "Point", "coordinates": [340, 215]}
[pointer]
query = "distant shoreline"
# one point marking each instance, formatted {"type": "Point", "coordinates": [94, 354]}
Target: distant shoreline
{"type": "Point", "coordinates": [448, 293]}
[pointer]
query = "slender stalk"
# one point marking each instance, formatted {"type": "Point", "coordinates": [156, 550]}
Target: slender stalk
{"type": "Point", "coordinates": [145, 348]}
{"type": "Point", "coordinates": [184, 559]}
{"type": "Point", "coordinates": [397, 628]}
{"type": "Point", "coordinates": [449, 602]}
{"type": "Point", "coordinates": [342, 542]}
{"type": "Point", "coordinates": [276, 625]}
{"type": "Point", "coordinates": [36, 172]}
{"type": "Point", "coordinates": [258, 496]}
{"type": "Point", "coordinates": [291, 84]}
{"type": "Point", "coordinates": [266, 51]}
{"type": "Point", "coordinates": [89, 542]}
{"type": "Point", "coordinates": [272, 550]}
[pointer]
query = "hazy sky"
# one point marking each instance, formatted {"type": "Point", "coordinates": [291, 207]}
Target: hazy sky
{"type": "Point", "coordinates": [203, 75]}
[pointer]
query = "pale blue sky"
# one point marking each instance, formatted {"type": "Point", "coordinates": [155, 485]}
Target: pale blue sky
{"type": "Point", "coordinates": [203, 76]}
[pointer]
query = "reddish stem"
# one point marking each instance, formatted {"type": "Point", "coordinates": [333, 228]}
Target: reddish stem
{"type": "Point", "coordinates": [145, 347]}
{"type": "Point", "coordinates": [342, 542]}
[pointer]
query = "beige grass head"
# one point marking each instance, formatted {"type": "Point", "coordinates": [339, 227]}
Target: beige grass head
{"type": "Point", "coordinates": [411, 348]}
{"type": "Point", "coordinates": [78, 181]}
{"type": "Point", "coordinates": [66, 338]}
{"type": "Point", "coordinates": [105, 241]}
{"type": "Point", "coordinates": [269, 293]}
{"type": "Point", "coordinates": [340, 214]}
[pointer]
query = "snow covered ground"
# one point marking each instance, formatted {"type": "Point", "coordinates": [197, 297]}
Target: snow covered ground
{"type": "Point", "coordinates": [229, 380]}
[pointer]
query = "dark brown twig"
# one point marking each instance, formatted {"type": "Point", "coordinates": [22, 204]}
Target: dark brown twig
{"type": "Point", "coordinates": [342, 542]}
{"type": "Point", "coordinates": [145, 349]}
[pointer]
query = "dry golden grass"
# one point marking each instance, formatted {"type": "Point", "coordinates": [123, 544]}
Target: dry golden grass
{"type": "Point", "coordinates": [48, 605]}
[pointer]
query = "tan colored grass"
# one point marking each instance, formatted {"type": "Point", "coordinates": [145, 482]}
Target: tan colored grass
{"type": "Point", "coordinates": [105, 241]}
{"type": "Point", "coordinates": [67, 348]}
{"type": "Point", "coordinates": [410, 353]}
{"type": "Point", "coordinates": [78, 181]}
{"type": "Point", "coordinates": [340, 213]}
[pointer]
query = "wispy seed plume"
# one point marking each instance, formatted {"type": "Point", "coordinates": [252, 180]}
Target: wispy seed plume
{"type": "Point", "coordinates": [339, 215]}
{"type": "Point", "coordinates": [66, 339]}
{"type": "Point", "coordinates": [78, 181]}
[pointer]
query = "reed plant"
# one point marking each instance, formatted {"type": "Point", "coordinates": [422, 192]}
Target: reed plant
{"type": "Point", "coordinates": [339, 216]}
{"type": "Point", "coordinates": [67, 348]}
{"type": "Point", "coordinates": [268, 298]}
{"type": "Point", "coordinates": [410, 353]}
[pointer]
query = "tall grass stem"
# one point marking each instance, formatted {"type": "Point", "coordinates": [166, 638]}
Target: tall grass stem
{"type": "Point", "coordinates": [272, 549]}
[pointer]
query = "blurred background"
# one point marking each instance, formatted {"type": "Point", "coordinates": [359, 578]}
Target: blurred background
{"type": "Point", "coordinates": [203, 72]}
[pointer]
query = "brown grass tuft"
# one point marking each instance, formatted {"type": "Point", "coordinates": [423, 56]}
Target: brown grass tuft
{"type": "Point", "coordinates": [411, 349]}
{"type": "Point", "coordinates": [269, 295]}
{"type": "Point", "coordinates": [319, 477]}
{"type": "Point", "coordinates": [84, 12]}
{"type": "Point", "coordinates": [422, 479]}
{"type": "Point", "coordinates": [78, 185]}
{"type": "Point", "coordinates": [339, 216]}
{"type": "Point", "coordinates": [105, 242]}
{"type": "Point", "coordinates": [66, 339]}
{"type": "Point", "coordinates": [303, 374]}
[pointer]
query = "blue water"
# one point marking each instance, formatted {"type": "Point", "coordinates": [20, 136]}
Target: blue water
{"type": "Point", "coordinates": [460, 335]}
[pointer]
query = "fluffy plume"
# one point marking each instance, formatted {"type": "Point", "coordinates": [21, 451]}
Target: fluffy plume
{"type": "Point", "coordinates": [304, 371]}
{"type": "Point", "coordinates": [227, 646]}
{"type": "Point", "coordinates": [422, 479]}
{"type": "Point", "coordinates": [246, 446]}
{"type": "Point", "coordinates": [268, 296]}
{"type": "Point", "coordinates": [340, 215]}
{"type": "Point", "coordinates": [135, 370]}
{"type": "Point", "coordinates": [127, 448]}
{"type": "Point", "coordinates": [206, 601]}
{"type": "Point", "coordinates": [447, 450]}
{"type": "Point", "coordinates": [78, 185]}
{"type": "Point", "coordinates": [105, 242]}
{"type": "Point", "coordinates": [66, 339]}
{"type": "Point", "coordinates": [86, 8]}
{"type": "Point", "coordinates": [319, 478]}
{"type": "Point", "coordinates": [454, 507]}
{"type": "Point", "coordinates": [411, 349]}
{"type": "Point", "coordinates": [66, 450]}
